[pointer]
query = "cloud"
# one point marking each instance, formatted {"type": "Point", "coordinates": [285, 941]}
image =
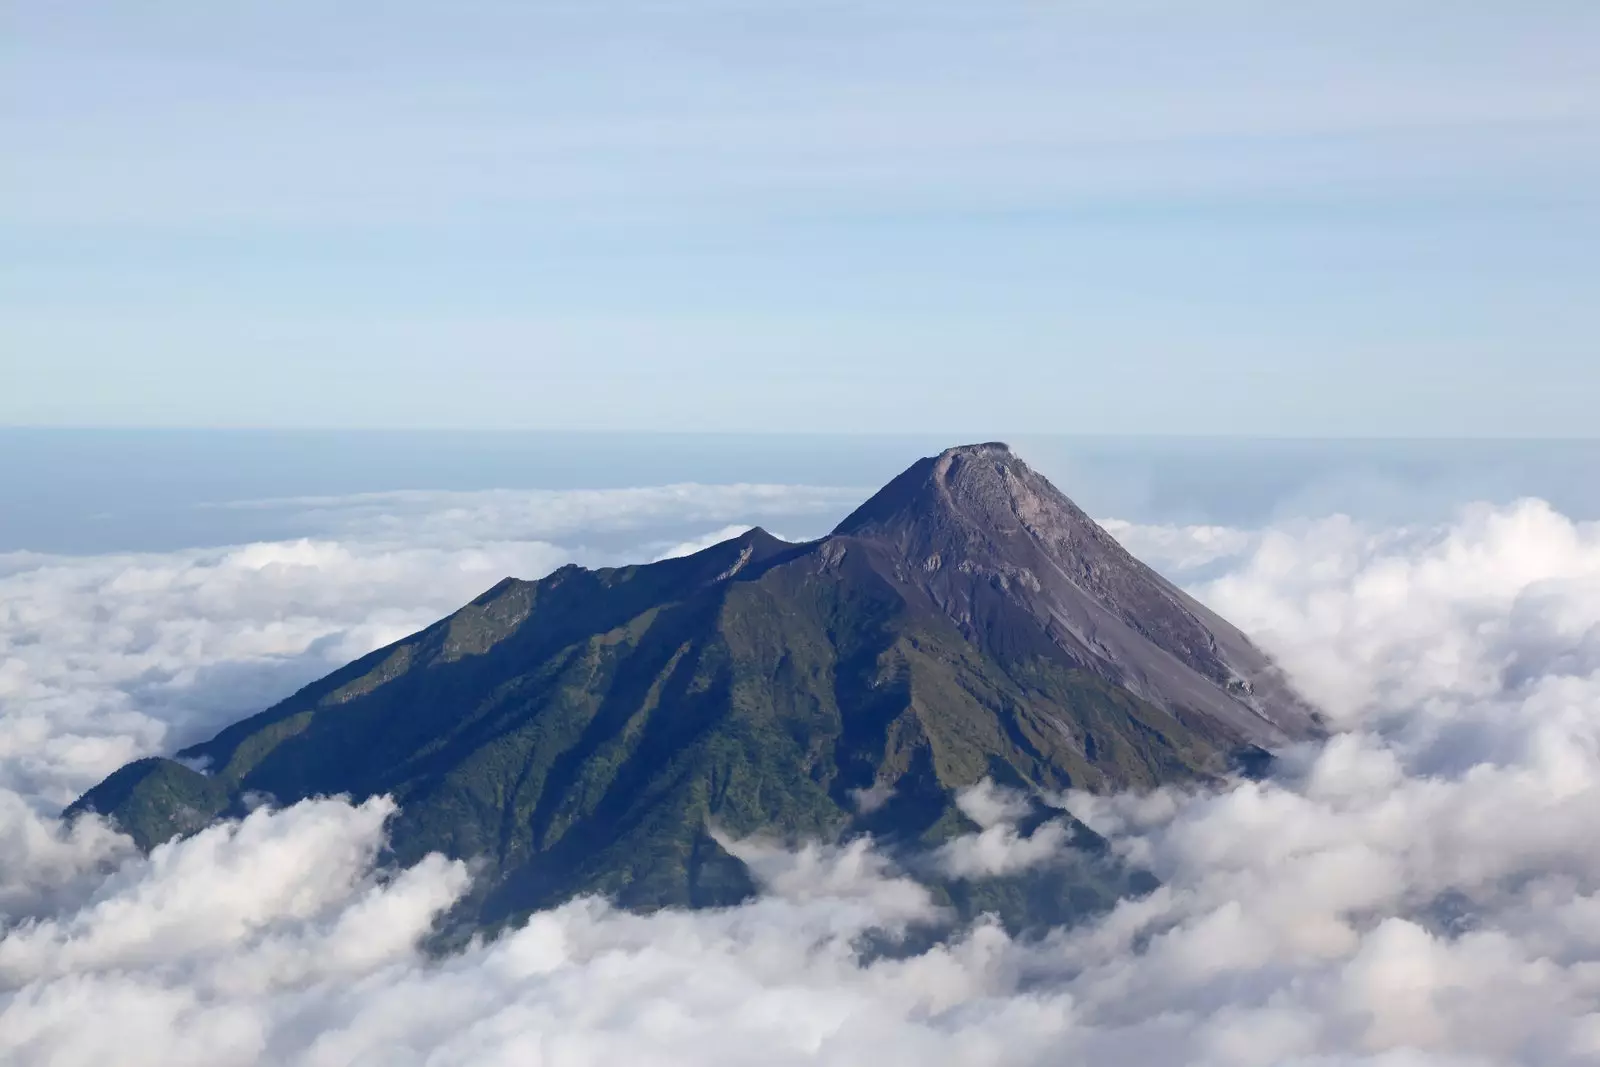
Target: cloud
{"type": "Point", "coordinates": [1423, 622]}
{"type": "Point", "coordinates": [1000, 847]}
{"type": "Point", "coordinates": [45, 864]}
{"type": "Point", "coordinates": [689, 548]}
{"type": "Point", "coordinates": [1181, 549]}
{"type": "Point", "coordinates": [871, 798]}
{"type": "Point", "coordinates": [1002, 850]}
{"type": "Point", "coordinates": [457, 517]}
{"type": "Point", "coordinates": [1421, 890]}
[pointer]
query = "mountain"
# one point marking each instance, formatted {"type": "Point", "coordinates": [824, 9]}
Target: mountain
{"type": "Point", "coordinates": [584, 732]}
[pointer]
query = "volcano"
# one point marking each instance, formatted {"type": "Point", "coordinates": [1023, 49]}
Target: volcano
{"type": "Point", "coordinates": [606, 731]}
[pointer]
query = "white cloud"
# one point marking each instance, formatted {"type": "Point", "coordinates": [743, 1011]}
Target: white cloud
{"type": "Point", "coordinates": [45, 864]}
{"type": "Point", "coordinates": [453, 518]}
{"type": "Point", "coordinates": [1180, 549]}
{"type": "Point", "coordinates": [1423, 890]}
{"type": "Point", "coordinates": [1002, 850]}
{"type": "Point", "coordinates": [1422, 622]}
{"type": "Point", "coordinates": [989, 805]}
{"type": "Point", "coordinates": [999, 847]}
{"type": "Point", "coordinates": [689, 548]}
{"type": "Point", "coordinates": [871, 798]}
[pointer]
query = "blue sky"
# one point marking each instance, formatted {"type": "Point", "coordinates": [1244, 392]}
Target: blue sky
{"type": "Point", "coordinates": [1022, 217]}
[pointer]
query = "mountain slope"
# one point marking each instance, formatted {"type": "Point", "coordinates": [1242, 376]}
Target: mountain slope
{"type": "Point", "coordinates": [983, 534]}
{"type": "Point", "coordinates": [583, 732]}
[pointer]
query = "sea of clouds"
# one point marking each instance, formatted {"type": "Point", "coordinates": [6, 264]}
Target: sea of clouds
{"type": "Point", "coordinates": [1422, 889]}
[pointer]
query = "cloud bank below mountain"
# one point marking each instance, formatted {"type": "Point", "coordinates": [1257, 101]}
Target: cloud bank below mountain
{"type": "Point", "coordinates": [1423, 889]}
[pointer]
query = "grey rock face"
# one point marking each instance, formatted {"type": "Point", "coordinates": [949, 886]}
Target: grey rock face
{"type": "Point", "coordinates": [980, 534]}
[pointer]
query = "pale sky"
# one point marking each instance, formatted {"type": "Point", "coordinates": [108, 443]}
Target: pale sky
{"type": "Point", "coordinates": [1085, 217]}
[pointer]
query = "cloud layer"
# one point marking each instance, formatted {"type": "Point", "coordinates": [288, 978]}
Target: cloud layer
{"type": "Point", "coordinates": [1423, 889]}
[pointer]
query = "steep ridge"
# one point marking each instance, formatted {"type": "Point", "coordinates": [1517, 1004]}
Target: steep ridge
{"type": "Point", "coordinates": [586, 732]}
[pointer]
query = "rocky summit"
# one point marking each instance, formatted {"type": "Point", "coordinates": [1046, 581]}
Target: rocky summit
{"type": "Point", "coordinates": [605, 731]}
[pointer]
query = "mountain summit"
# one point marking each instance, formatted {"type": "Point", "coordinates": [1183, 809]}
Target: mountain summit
{"type": "Point", "coordinates": [978, 532]}
{"type": "Point", "coordinates": [583, 732]}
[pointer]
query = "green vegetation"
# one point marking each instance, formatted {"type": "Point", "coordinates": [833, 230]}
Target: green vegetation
{"type": "Point", "coordinates": [585, 732]}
